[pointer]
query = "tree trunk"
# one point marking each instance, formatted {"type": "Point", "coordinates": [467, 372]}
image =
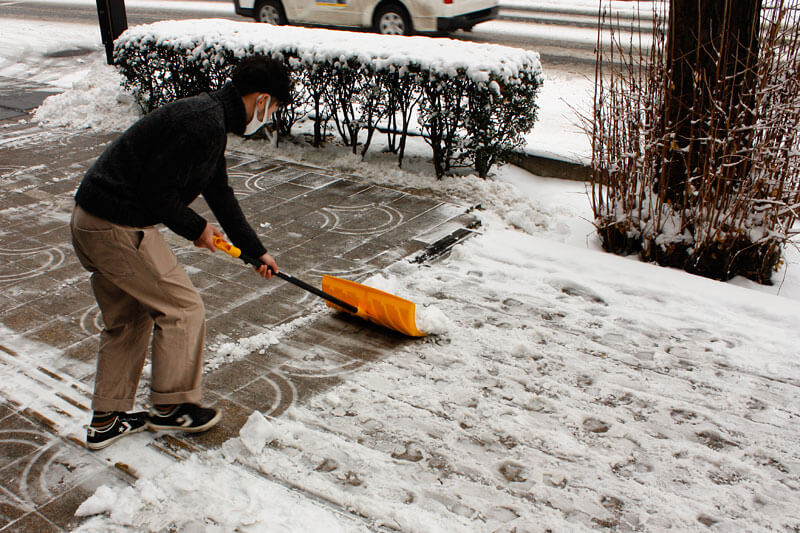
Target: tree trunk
{"type": "Point", "coordinates": [712, 48]}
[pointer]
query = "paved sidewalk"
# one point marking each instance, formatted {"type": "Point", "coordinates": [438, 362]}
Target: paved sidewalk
{"type": "Point", "coordinates": [313, 220]}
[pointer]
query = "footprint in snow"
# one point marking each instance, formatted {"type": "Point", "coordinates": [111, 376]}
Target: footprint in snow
{"type": "Point", "coordinates": [512, 303]}
{"type": "Point", "coordinates": [714, 440]}
{"type": "Point", "coordinates": [555, 479]}
{"type": "Point", "coordinates": [626, 398]}
{"type": "Point", "coordinates": [595, 425]}
{"type": "Point", "coordinates": [693, 334]}
{"type": "Point", "coordinates": [612, 504]}
{"type": "Point", "coordinates": [632, 466]}
{"type": "Point", "coordinates": [539, 405]}
{"type": "Point", "coordinates": [706, 520]}
{"type": "Point", "coordinates": [552, 317]}
{"type": "Point", "coordinates": [513, 472]}
{"type": "Point", "coordinates": [410, 451]}
{"type": "Point", "coordinates": [350, 478]}
{"type": "Point", "coordinates": [763, 460]}
{"type": "Point", "coordinates": [682, 416]}
{"type": "Point", "coordinates": [614, 340]}
{"type": "Point", "coordinates": [728, 343]}
{"type": "Point", "coordinates": [756, 405]}
{"type": "Point", "coordinates": [720, 477]}
{"type": "Point", "coordinates": [327, 465]}
{"type": "Point", "coordinates": [579, 291]}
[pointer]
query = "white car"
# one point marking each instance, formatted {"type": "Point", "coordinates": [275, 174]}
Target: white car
{"type": "Point", "coordinates": [397, 17]}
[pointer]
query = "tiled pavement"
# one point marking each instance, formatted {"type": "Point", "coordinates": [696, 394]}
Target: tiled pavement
{"type": "Point", "coordinates": [314, 222]}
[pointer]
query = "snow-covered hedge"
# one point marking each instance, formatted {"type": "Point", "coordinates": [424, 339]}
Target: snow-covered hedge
{"type": "Point", "coordinates": [472, 102]}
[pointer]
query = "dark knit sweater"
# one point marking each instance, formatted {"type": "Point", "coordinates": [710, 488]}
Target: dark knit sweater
{"type": "Point", "coordinates": [157, 167]}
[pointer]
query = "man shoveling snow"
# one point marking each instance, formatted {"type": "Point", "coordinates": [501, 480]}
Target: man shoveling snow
{"type": "Point", "coordinates": [147, 176]}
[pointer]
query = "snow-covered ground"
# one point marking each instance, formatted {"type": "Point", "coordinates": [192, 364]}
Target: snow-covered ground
{"type": "Point", "coordinates": [566, 388]}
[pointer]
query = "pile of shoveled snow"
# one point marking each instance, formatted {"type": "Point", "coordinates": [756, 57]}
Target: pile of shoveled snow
{"type": "Point", "coordinates": [97, 101]}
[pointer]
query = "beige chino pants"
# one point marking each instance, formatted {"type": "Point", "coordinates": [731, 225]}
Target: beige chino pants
{"type": "Point", "coordinates": [143, 295]}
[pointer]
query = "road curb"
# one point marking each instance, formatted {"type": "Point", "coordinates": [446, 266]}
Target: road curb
{"type": "Point", "coordinates": [551, 167]}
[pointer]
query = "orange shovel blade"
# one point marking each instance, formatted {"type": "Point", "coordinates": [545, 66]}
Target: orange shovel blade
{"type": "Point", "coordinates": [374, 305]}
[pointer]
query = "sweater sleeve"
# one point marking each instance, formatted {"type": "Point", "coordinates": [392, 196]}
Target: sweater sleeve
{"type": "Point", "coordinates": [222, 201]}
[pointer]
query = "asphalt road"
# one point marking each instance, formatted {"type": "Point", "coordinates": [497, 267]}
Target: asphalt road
{"type": "Point", "coordinates": [87, 13]}
{"type": "Point", "coordinates": [563, 38]}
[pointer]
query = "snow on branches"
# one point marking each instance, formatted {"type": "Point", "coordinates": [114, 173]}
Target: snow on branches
{"type": "Point", "coordinates": [696, 154]}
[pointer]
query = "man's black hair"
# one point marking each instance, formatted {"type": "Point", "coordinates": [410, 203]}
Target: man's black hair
{"type": "Point", "coordinates": [262, 75]}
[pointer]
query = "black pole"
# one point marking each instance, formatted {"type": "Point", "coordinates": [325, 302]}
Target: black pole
{"type": "Point", "coordinates": [113, 21]}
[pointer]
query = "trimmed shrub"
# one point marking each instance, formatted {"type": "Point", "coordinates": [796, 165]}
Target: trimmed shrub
{"type": "Point", "coordinates": [473, 102]}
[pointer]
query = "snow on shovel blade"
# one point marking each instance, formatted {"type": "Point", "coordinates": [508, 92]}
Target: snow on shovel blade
{"type": "Point", "coordinates": [374, 305]}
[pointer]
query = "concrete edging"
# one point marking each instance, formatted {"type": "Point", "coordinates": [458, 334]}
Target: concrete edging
{"type": "Point", "coordinates": [551, 168]}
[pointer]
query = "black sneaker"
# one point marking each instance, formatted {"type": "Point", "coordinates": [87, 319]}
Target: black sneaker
{"type": "Point", "coordinates": [184, 417]}
{"type": "Point", "coordinates": [117, 426]}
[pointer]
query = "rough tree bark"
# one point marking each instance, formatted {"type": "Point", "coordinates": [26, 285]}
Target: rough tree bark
{"type": "Point", "coordinates": [712, 49]}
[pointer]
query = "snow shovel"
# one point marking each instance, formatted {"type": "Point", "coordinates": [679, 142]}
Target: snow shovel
{"type": "Point", "coordinates": [368, 303]}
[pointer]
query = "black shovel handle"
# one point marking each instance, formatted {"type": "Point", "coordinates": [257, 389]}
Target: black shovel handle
{"type": "Point", "coordinates": [235, 252]}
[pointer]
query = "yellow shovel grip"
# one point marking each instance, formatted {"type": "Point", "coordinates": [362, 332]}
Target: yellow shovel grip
{"type": "Point", "coordinates": [226, 247]}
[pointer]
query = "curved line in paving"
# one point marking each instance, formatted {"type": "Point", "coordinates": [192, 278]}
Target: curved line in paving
{"type": "Point", "coordinates": [322, 372]}
{"type": "Point", "coordinates": [32, 460]}
{"type": "Point", "coordinates": [54, 259]}
{"type": "Point", "coordinates": [331, 218]}
{"type": "Point", "coordinates": [253, 181]}
{"type": "Point", "coordinates": [356, 271]}
{"type": "Point", "coordinates": [287, 392]}
{"type": "Point", "coordinates": [393, 218]}
{"type": "Point", "coordinates": [36, 449]}
{"type": "Point", "coordinates": [92, 326]}
{"type": "Point", "coordinates": [306, 298]}
{"type": "Point", "coordinates": [278, 395]}
{"type": "Point", "coordinates": [62, 137]}
{"type": "Point", "coordinates": [65, 138]}
{"type": "Point", "coordinates": [27, 251]}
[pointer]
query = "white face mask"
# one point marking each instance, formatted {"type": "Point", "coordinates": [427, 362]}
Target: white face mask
{"type": "Point", "coordinates": [255, 124]}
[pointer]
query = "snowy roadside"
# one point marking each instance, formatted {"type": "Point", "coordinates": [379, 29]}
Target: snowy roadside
{"type": "Point", "coordinates": [568, 389]}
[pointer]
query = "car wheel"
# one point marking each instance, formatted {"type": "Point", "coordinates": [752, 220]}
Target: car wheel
{"type": "Point", "coordinates": [271, 12]}
{"type": "Point", "coordinates": [392, 19]}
